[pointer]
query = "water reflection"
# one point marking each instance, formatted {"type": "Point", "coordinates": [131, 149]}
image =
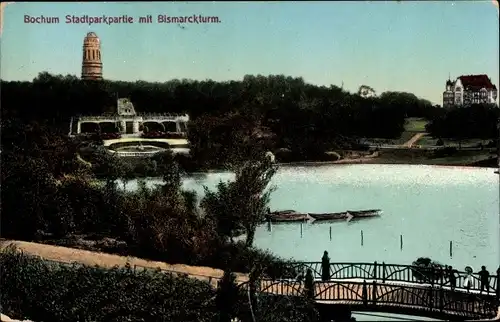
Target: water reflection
{"type": "Point", "coordinates": [429, 206]}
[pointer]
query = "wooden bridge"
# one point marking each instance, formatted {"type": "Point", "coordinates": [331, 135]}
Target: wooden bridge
{"type": "Point", "coordinates": [391, 288]}
{"type": "Point", "coordinates": [383, 272]}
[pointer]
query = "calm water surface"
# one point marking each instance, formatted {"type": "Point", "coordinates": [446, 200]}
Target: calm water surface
{"type": "Point", "coordinates": [428, 205]}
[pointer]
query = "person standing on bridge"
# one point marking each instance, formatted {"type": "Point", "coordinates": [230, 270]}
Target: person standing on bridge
{"type": "Point", "coordinates": [468, 278]}
{"type": "Point", "coordinates": [325, 267]}
{"type": "Point", "coordinates": [485, 279]}
{"type": "Point", "coordinates": [309, 284]}
{"type": "Point", "coordinates": [452, 277]}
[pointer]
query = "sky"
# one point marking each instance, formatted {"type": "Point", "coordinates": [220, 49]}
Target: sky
{"type": "Point", "coordinates": [391, 46]}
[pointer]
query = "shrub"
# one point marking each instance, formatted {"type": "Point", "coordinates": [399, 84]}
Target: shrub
{"type": "Point", "coordinates": [163, 224]}
{"type": "Point", "coordinates": [492, 144]}
{"type": "Point", "coordinates": [48, 291]}
{"type": "Point", "coordinates": [446, 151]}
{"type": "Point", "coordinates": [427, 270]}
{"type": "Point", "coordinates": [42, 291]}
{"type": "Point", "coordinates": [244, 258]}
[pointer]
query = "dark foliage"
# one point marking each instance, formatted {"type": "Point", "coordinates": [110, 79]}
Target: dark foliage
{"type": "Point", "coordinates": [43, 291]}
{"type": "Point", "coordinates": [48, 190]}
{"type": "Point", "coordinates": [445, 152]}
{"type": "Point", "coordinates": [46, 291]}
{"type": "Point", "coordinates": [478, 121]}
{"type": "Point", "coordinates": [427, 270]}
{"type": "Point", "coordinates": [232, 120]}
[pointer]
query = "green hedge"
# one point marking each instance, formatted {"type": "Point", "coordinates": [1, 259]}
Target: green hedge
{"type": "Point", "coordinates": [44, 291]}
{"type": "Point", "coordinates": [245, 258]}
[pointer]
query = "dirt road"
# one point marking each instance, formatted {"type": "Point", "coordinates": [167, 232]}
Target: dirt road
{"type": "Point", "coordinates": [71, 255]}
{"type": "Point", "coordinates": [413, 140]}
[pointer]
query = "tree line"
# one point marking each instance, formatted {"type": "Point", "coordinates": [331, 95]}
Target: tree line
{"type": "Point", "coordinates": [478, 121]}
{"type": "Point", "coordinates": [253, 114]}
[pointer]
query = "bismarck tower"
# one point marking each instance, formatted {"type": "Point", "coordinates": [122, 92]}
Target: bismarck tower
{"type": "Point", "coordinates": [91, 64]}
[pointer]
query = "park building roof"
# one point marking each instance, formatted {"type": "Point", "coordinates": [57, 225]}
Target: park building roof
{"type": "Point", "coordinates": [476, 82]}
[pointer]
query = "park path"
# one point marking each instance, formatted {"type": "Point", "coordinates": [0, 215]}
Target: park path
{"type": "Point", "coordinates": [413, 140]}
{"type": "Point", "coordinates": [71, 255]}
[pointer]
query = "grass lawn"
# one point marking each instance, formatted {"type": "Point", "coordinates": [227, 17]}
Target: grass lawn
{"type": "Point", "coordinates": [415, 124]}
{"type": "Point", "coordinates": [423, 157]}
{"type": "Point", "coordinates": [467, 142]}
{"type": "Point", "coordinates": [462, 159]}
{"type": "Point", "coordinates": [428, 140]}
{"type": "Point", "coordinates": [405, 136]}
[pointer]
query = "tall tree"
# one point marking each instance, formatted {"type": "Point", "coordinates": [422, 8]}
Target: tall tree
{"type": "Point", "coordinates": [240, 205]}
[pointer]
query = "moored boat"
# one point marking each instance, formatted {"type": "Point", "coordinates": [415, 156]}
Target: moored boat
{"type": "Point", "coordinates": [284, 212]}
{"type": "Point", "coordinates": [346, 215]}
{"type": "Point", "coordinates": [364, 213]}
{"type": "Point", "coordinates": [287, 216]}
{"type": "Point", "coordinates": [291, 217]}
{"type": "Point", "coordinates": [295, 218]}
{"type": "Point", "coordinates": [329, 216]}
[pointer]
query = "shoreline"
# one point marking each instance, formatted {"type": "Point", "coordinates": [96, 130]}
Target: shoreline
{"type": "Point", "coordinates": [379, 161]}
{"type": "Point", "coordinates": [331, 163]}
{"type": "Point", "coordinates": [367, 160]}
{"type": "Point", "coordinates": [326, 163]}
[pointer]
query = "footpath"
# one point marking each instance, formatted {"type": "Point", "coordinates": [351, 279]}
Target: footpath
{"type": "Point", "coordinates": [413, 140]}
{"type": "Point", "coordinates": [70, 255]}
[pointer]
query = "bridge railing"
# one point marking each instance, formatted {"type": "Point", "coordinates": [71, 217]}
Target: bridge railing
{"type": "Point", "coordinates": [367, 294]}
{"type": "Point", "coordinates": [375, 293]}
{"type": "Point", "coordinates": [135, 154]}
{"type": "Point", "coordinates": [116, 117]}
{"type": "Point", "coordinates": [415, 297]}
{"type": "Point", "coordinates": [397, 273]}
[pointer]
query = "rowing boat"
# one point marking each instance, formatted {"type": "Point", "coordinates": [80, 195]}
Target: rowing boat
{"type": "Point", "coordinates": [287, 216]}
{"type": "Point", "coordinates": [346, 215]}
{"type": "Point", "coordinates": [329, 216]}
{"type": "Point", "coordinates": [364, 213]}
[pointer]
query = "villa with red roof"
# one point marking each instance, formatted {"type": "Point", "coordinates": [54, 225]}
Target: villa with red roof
{"type": "Point", "coordinates": [469, 89]}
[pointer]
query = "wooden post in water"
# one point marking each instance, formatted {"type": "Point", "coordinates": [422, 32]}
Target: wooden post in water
{"type": "Point", "coordinates": [401, 242]}
{"type": "Point", "coordinates": [330, 233]}
{"type": "Point", "coordinates": [361, 237]}
{"type": "Point", "coordinates": [269, 226]}
{"type": "Point", "coordinates": [300, 230]}
{"type": "Point", "coordinates": [451, 248]}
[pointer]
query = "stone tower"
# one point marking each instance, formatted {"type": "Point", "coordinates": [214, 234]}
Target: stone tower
{"type": "Point", "coordinates": [91, 63]}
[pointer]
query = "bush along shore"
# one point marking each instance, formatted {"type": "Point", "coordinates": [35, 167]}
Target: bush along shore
{"type": "Point", "coordinates": [50, 196]}
{"type": "Point", "coordinates": [46, 291]}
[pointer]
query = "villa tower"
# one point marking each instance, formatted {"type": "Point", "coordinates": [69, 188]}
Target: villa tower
{"type": "Point", "coordinates": [91, 63]}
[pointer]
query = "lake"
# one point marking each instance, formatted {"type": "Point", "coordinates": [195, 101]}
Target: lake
{"type": "Point", "coordinates": [428, 205]}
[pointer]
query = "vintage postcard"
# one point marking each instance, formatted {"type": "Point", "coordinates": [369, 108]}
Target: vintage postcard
{"type": "Point", "coordinates": [250, 161]}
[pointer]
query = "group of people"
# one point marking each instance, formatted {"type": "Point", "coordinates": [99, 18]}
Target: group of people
{"type": "Point", "coordinates": [450, 272]}
{"type": "Point", "coordinates": [484, 278]}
